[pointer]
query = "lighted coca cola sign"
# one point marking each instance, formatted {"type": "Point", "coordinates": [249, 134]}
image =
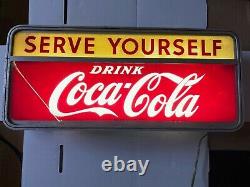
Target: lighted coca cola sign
{"type": "Point", "coordinates": [181, 85]}
{"type": "Point", "coordinates": [109, 94]}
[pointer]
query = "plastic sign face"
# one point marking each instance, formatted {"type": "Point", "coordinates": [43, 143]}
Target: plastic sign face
{"type": "Point", "coordinates": [144, 79]}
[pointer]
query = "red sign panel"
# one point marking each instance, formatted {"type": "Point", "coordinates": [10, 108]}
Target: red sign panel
{"type": "Point", "coordinates": [93, 91]}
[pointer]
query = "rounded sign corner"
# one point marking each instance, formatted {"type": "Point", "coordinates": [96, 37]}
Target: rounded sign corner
{"type": "Point", "coordinates": [10, 124]}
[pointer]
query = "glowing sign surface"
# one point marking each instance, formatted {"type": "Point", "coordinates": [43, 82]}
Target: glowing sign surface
{"type": "Point", "coordinates": [118, 85]}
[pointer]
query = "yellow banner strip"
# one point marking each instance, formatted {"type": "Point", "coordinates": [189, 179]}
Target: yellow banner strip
{"type": "Point", "coordinates": [110, 45]}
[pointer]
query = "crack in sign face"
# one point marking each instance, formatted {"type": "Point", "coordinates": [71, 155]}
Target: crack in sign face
{"type": "Point", "coordinates": [179, 103]}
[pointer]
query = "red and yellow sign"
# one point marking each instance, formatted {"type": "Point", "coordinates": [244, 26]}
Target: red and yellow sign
{"type": "Point", "coordinates": [122, 79]}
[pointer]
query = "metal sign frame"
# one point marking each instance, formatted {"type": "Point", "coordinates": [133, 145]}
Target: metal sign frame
{"type": "Point", "coordinates": [205, 126]}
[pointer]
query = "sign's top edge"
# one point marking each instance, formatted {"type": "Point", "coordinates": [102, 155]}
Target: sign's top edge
{"type": "Point", "coordinates": [154, 30]}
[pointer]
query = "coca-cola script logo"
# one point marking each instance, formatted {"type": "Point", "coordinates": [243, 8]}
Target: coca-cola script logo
{"type": "Point", "coordinates": [180, 103]}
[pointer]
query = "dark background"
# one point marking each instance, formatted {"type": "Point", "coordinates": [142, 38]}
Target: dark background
{"type": "Point", "coordinates": [230, 152]}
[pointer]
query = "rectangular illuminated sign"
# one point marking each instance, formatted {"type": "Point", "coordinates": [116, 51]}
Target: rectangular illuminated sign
{"type": "Point", "coordinates": [63, 78]}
